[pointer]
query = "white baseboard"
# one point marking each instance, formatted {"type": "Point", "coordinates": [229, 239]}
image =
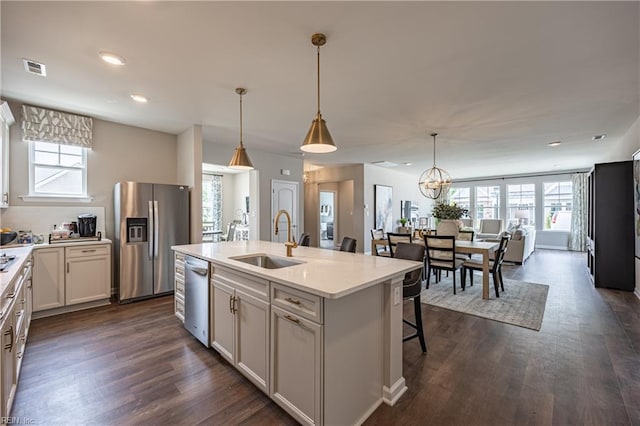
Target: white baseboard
{"type": "Point", "coordinates": [637, 292]}
{"type": "Point", "coordinates": [391, 395]}
{"type": "Point", "coordinates": [70, 308]}
{"type": "Point", "coordinates": [552, 247]}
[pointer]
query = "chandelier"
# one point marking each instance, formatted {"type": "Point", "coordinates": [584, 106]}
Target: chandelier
{"type": "Point", "coordinates": [435, 181]}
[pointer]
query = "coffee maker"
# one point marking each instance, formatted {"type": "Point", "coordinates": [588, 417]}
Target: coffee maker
{"type": "Point", "coordinates": [87, 225]}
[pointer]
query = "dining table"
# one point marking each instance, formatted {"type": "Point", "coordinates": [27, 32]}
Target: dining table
{"type": "Point", "coordinates": [483, 248]}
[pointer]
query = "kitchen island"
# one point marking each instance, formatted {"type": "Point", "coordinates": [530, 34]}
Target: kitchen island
{"type": "Point", "coordinates": [321, 336]}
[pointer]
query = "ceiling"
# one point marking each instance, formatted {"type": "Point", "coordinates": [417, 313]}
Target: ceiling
{"type": "Point", "coordinates": [498, 81]}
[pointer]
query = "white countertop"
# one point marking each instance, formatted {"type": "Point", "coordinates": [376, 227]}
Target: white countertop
{"type": "Point", "coordinates": [326, 273]}
{"type": "Point", "coordinates": [70, 243]}
{"type": "Point", "coordinates": [21, 253]}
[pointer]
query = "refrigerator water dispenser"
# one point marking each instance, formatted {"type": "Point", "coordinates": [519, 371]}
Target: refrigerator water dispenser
{"type": "Point", "coordinates": [136, 230]}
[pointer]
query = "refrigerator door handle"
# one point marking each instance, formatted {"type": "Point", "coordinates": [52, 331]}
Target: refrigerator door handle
{"type": "Point", "coordinates": [155, 229]}
{"type": "Point", "coordinates": [152, 235]}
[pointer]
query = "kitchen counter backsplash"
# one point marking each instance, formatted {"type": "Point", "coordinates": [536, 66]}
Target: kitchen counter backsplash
{"type": "Point", "coordinates": [40, 220]}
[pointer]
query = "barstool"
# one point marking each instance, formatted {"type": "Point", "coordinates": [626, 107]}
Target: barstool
{"type": "Point", "coordinates": [412, 287]}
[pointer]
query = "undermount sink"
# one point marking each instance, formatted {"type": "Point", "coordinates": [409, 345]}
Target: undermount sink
{"type": "Point", "coordinates": [266, 261]}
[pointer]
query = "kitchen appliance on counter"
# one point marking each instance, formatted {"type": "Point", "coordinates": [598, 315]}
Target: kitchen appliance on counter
{"type": "Point", "coordinates": [86, 225]}
{"type": "Point", "coordinates": [6, 261]}
{"type": "Point", "coordinates": [149, 219]}
{"type": "Point", "coordinates": [196, 298]}
{"type": "Point", "coordinates": [8, 237]}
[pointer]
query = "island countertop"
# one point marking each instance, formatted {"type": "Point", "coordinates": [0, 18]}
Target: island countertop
{"type": "Point", "coordinates": [326, 273]}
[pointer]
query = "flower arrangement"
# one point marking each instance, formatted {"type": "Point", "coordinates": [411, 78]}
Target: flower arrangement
{"type": "Point", "coordinates": [449, 211]}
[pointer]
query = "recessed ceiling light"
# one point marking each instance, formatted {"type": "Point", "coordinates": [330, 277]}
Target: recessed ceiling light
{"type": "Point", "coordinates": [384, 163]}
{"type": "Point", "coordinates": [139, 98]}
{"type": "Point", "coordinates": [556, 166]}
{"type": "Point", "coordinates": [554, 143]}
{"type": "Point", "coordinates": [112, 58]}
{"type": "Point", "coordinates": [598, 137]}
{"type": "Point", "coordinates": [407, 163]}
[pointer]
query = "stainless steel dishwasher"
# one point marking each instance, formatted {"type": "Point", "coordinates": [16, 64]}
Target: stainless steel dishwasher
{"type": "Point", "coordinates": [196, 298]}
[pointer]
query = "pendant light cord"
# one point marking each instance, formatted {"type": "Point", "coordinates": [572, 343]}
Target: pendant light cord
{"type": "Point", "coordinates": [319, 81]}
{"type": "Point", "coordinates": [240, 119]}
{"type": "Point", "coordinates": [434, 149]}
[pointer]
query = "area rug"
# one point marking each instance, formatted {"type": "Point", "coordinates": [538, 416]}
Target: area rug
{"type": "Point", "coordinates": [522, 303]}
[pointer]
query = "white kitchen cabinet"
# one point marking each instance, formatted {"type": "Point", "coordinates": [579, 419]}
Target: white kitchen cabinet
{"type": "Point", "coordinates": [179, 286]}
{"type": "Point", "coordinates": [88, 273]}
{"type": "Point", "coordinates": [240, 323]}
{"type": "Point", "coordinates": [8, 370]}
{"type": "Point", "coordinates": [48, 278]}
{"type": "Point", "coordinates": [297, 353]}
{"type": "Point", "coordinates": [6, 120]}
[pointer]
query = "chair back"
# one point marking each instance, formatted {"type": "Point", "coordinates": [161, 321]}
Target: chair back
{"type": "Point", "coordinates": [490, 226]}
{"type": "Point", "coordinates": [348, 244]}
{"type": "Point", "coordinates": [448, 227]}
{"type": "Point", "coordinates": [467, 221]}
{"type": "Point", "coordinates": [304, 240]}
{"type": "Point", "coordinates": [394, 238]}
{"type": "Point", "coordinates": [466, 235]}
{"type": "Point", "coordinates": [377, 234]}
{"type": "Point", "coordinates": [412, 284]}
{"type": "Point", "coordinates": [502, 249]}
{"type": "Point", "coordinates": [441, 250]}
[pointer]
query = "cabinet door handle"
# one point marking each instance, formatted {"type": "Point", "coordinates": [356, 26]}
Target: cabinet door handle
{"type": "Point", "coordinates": [11, 295]}
{"type": "Point", "coordinates": [292, 319]}
{"type": "Point", "coordinates": [89, 251]}
{"type": "Point", "coordinates": [294, 301]}
{"type": "Point", "coordinates": [235, 299]}
{"type": "Point", "coordinates": [230, 304]}
{"type": "Point", "coordinates": [9, 332]}
{"type": "Point", "coordinates": [67, 267]}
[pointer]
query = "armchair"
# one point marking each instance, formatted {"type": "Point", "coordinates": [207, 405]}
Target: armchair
{"type": "Point", "coordinates": [489, 229]}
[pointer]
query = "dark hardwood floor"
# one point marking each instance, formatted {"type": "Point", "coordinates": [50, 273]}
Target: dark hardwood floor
{"type": "Point", "coordinates": [135, 364]}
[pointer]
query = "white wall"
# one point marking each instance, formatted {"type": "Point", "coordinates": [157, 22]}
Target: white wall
{"type": "Point", "coordinates": [405, 187]}
{"type": "Point", "coordinates": [119, 153]}
{"type": "Point", "coordinates": [189, 172]}
{"type": "Point", "coordinates": [627, 145]}
{"type": "Point", "coordinates": [269, 167]}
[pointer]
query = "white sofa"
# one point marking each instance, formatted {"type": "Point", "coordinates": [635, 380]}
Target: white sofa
{"type": "Point", "coordinates": [521, 245]}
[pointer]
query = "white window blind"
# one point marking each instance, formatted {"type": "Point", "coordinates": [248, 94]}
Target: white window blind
{"type": "Point", "coordinates": [45, 125]}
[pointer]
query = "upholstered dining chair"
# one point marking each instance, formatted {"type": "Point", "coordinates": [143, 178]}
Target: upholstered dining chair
{"type": "Point", "coordinates": [395, 238]}
{"type": "Point", "coordinates": [348, 244]}
{"type": "Point", "coordinates": [412, 287]}
{"type": "Point", "coordinates": [441, 256]}
{"type": "Point", "coordinates": [465, 235]}
{"type": "Point", "coordinates": [304, 240]}
{"type": "Point", "coordinates": [495, 266]}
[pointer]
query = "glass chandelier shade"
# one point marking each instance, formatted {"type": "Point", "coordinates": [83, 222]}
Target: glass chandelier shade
{"type": "Point", "coordinates": [318, 139]}
{"type": "Point", "coordinates": [240, 159]}
{"type": "Point", "coordinates": [434, 182]}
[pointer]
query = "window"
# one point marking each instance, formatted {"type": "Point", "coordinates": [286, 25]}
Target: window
{"type": "Point", "coordinates": [461, 196]}
{"type": "Point", "coordinates": [487, 202]}
{"type": "Point", "coordinates": [57, 170]}
{"type": "Point", "coordinates": [211, 206]}
{"type": "Point", "coordinates": [521, 204]}
{"type": "Point", "coordinates": [557, 205]}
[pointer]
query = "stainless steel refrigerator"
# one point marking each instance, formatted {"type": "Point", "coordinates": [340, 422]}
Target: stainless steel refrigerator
{"type": "Point", "coordinates": [149, 219]}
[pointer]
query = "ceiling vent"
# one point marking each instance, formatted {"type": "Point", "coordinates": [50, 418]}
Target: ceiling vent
{"type": "Point", "coordinates": [598, 137]}
{"type": "Point", "coordinates": [384, 163]}
{"type": "Point", "coordinates": [34, 67]}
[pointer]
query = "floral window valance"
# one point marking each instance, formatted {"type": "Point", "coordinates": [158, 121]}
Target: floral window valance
{"type": "Point", "coordinates": [45, 125]}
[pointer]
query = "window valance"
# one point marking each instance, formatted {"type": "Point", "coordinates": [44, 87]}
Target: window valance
{"type": "Point", "coordinates": [45, 125]}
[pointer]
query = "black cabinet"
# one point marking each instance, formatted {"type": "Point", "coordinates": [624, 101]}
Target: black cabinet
{"type": "Point", "coordinates": [611, 243]}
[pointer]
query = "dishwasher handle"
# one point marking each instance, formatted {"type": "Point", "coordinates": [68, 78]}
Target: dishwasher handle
{"type": "Point", "coordinates": [197, 269]}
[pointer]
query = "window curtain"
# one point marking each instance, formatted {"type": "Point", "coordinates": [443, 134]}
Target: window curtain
{"type": "Point", "coordinates": [578, 232]}
{"type": "Point", "coordinates": [45, 125]}
{"type": "Point", "coordinates": [212, 200]}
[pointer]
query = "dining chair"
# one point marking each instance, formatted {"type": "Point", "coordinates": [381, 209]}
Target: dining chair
{"type": "Point", "coordinates": [411, 289]}
{"type": "Point", "coordinates": [348, 244]}
{"type": "Point", "coordinates": [495, 266]}
{"type": "Point", "coordinates": [465, 235]}
{"type": "Point", "coordinates": [441, 256]}
{"type": "Point", "coordinates": [394, 238]}
{"type": "Point", "coordinates": [231, 232]}
{"type": "Point", "coordinates": [378, 234]}
{"type": "Point", "coordinates": [305, 239]}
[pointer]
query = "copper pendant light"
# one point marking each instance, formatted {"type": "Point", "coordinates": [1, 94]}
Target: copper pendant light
{"type": "Point", "coordinates": [240, 159]}
{"type": "Point", "coordinates": [318, 139]}
{"type": "Point", "coordinates": [434, 181]}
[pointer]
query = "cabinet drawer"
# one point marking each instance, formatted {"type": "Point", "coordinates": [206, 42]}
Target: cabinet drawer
{"type": "Point", "coordinates": [96, 250]}
{"type": "Point", "coordinates": [179, 308]}
{"type": "Point", "coordinates": [254, 286]}
{"type": "Point", "coordinates": [299, 302]}
{"type": "Point", "coordinates": [179, 265]}
{"type": "Point", "coordinates": [179, 287]}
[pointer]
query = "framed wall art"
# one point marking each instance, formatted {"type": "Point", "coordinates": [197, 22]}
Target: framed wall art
{"type": "Point", "coordinates": [383, 201]}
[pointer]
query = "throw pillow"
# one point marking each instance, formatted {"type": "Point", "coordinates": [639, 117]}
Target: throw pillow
{"type": "Point", "coordinates": [517, 235]}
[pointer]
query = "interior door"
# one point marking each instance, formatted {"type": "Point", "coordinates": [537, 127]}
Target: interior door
{"type": "Point", "coordinates": [284, 196]}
